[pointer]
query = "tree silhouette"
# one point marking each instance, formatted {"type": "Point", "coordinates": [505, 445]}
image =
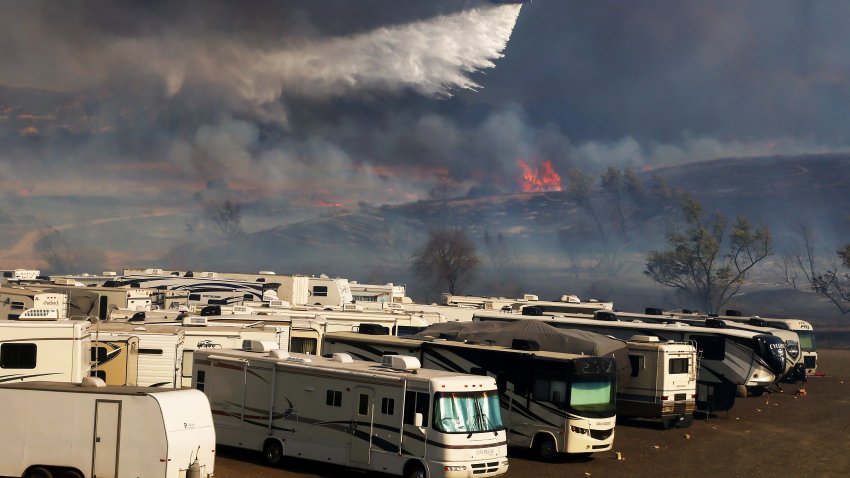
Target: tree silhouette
{"type": "Point", "coordinates": [448, 260]}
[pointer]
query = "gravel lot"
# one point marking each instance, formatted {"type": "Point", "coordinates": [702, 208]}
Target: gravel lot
{"type": "Point", "coordinates": [777, 434]}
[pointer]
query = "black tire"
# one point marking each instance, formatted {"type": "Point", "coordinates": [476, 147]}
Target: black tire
{"type": "Point", "coordinates": [70, 474]}
{"type": "Point", "coordinates": [415, 469]}
{"type": "Point", "coordinates": [545, 448]}
{"type": "Point", "coordinates": [273, 452]}
{"type": "Point", "coordinates": [38, 472]}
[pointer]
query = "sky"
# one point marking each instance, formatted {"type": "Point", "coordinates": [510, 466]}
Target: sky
{"type": "Point", "coordinates": [335, 103]}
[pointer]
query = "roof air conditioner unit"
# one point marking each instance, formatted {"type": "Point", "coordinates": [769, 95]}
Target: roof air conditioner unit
{"type": "Point", "coordinates": [342, 358]}
{"type": "Point", "coordinates": [530, 297]}
{"type": "Point", "coordinates": [400, 362]}
{"type": "Point", "coordinates": [262, 346]}
{"type": "Point", "coordinates": [267, 273]}
{"type": "Point", "coordinates": [644, 338]}
{"type": "Point", "coordinates": [194, 321]}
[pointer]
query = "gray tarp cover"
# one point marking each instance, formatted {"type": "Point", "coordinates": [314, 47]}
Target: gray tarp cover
{"type": "Point", "coordinates": [548, 338]}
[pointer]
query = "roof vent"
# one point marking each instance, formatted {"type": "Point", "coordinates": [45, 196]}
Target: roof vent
{"type": "Point", "coordinates": [530, 297]}
{"type": "Point", "coordinates": [267, 273]}
{"type": "Point", "coordinates": [572, 299]}
{"type": "Point", "coordinates": [93, 382]}
{"type": "Point", "coordinates": [400, 362]}
{"type": "Point", "coordinates": [342, 358]}
{"type": "Point", "coordinates": [644, 338]}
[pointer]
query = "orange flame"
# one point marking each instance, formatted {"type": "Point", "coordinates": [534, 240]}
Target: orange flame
{"type": "Point", "coordinates": [542, 178]}
{"type": "Point", "coordinates": [323, 203]}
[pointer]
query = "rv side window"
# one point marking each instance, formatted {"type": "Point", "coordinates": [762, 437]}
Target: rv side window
{"type": "Point", "coordinates": [303, 345]}
{"type": "Point", "coordinates": [678, 365]}
{"type": "Point", "coordinates": [554, 391]}
{"type": "Point", "coordinates": [636, 362]}
{"type": "Point", "coordinates": [363, 404]}
{"type": "Point", "coordinates": [200, 380]}
{"type": "Point", "coordinates": [187, 363]}
{"type": "Point", "coordinates": [98, 354]}
{"type": "Point", "coordinates": [150, 351]}
{"type": "Point", "coordinates": [17, 306]}
{"type": "Point", "coordinates": [387, 406]}
{"type": "Point", "coordinates": [416, 402]}
{"type": "Point", "coordinates": [333, 398]}
{"type": "Point", "coordinates": [320, 290]}
{"type": "Point", "coordinates": [17, 355]}
{"type": "Point", "coordinates": [405, 330]}
{"type": "Point", "coordinates": [8, 274]}
{"type": "Point", "coordinates": [711, 347]}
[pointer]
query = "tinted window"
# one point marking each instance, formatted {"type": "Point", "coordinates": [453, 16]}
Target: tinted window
{"type": "Point", "coordinates": [17, 355]}
{"type": "Point", "coordinates": [333, 398]}
{"type": "Point", "coordinates": [363, 405]}
{"type": "Point", "coordinates": [387, 406]}
{"type": "Point", "coordinates": [320, 290]}
{"type": "Point", "coordinates": [636, 362]}
{"type": "Point", "coordinates": [678, 365]}
{"type": "Point", "coordinates": [415, 402]}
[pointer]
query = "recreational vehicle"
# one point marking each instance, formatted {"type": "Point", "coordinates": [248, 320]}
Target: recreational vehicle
{"type": "Point", "coordinates": [728, 357]}
{"type": "Point", "coordinates": [662, 383]}
{"type": "Point", "coordinates": [116, 360]}
{"type": "Point", "coordinates": [803, 329]}
{"type": "Point", "coordinates": [551, 402]}
{"type": "Point", "coordinates": [568, 304]}
{"type": "Point", "coordinates": [15, 300]}
{"type": "Point", "coordinates": [92, 430]}
{"type": "Point", "coordinates": [160, 351]}
{"type": "Point", "coordinates": [389, 417]}
{"type": "Point", "coordinates": [54, 350]}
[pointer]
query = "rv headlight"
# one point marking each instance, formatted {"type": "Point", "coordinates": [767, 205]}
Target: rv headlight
{"type": "Point", "coordinates": [576, 429]}
{"type": "Point", "coordinates": [455, 468]}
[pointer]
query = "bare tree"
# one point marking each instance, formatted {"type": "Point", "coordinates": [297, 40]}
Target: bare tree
{"type": "Point", "coordinates": [612, 181]}
{"type": "Point", "coordinates": [447, 260]}
{"type": "Point", "coordinates": [226, 216]}
{"type": "Point", "coordinates": [62, 258]}
{"type": "Point", "coordinates": [694, 263]}
{"type": "Point", "coordinates": [835, 285]}
{"type": "Point", "coordinates": [579, 190]}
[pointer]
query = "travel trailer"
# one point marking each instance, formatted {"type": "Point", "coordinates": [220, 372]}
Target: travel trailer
{"type": "Point", "coordinates": [662, 383]}
{"type": "Point", "coordinates": [92, 430]}
{"type": "Point", "coordinates": [568, 304]}
{"type": "Point", "coordinates": [378, 293]}
{"type": "Point", "coordinates": [160, 350]}
{"type": "Point", "coordinates": [53, 350]}
{"type": "Point", "coordinates": [551, 402]}
{"type": "Point", "coordinates": [15, 300]}
{"type": "Point", "coordinates": [390, 417]}
{"type": "Point", "coordinates": [728, 357]}
{"type": "Point", "coordinates": [116, 360]}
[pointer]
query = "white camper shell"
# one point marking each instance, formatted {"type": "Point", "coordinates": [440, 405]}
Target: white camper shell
{"type": "Point", "coordinates": [663, 382]}
{"type": "Point", "coordinates": [92, 430]}
{"type": "Point", "coordinates": [394, 418]}
{"type": "Point", "coordinates": [56, 350]}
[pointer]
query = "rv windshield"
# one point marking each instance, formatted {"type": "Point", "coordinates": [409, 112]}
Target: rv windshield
{"type": "Point", "coordinates": [592, 396]}
{"type": "Point", "coordinates": [467, 412]}
{"type": "Point", "coordinates": [807, 340]}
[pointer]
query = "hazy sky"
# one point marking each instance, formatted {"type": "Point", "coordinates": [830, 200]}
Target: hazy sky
{"type": "Point", "coordinates": [327, 102]}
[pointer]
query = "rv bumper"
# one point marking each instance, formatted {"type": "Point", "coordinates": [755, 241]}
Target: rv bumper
{"type": "Point", "coordinates": [495, 467]}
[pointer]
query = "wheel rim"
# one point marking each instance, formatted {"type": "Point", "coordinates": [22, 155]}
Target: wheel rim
{"type": "Point", "coordinates": [416, 472]}
{"type": "Point", "coordinates": [273, 453]}
{"type": "Point", "coordinates": [546, 449]}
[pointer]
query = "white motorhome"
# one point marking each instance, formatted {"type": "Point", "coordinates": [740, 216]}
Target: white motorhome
{"type": "Point", "coordinates": [662, 383]}
{"type": "Point", "coordinates": [551, 402]}
{"type": "Point", "coordinates": [729, 358]}
{"type": "Point", "coordinates": [160, 350]}
{"type": "Point", "coordinates": [803, 329]}
{"type": "Point", "coordinates": [391, 417]}
{"type": "Point", "coordinates": [54, 350]}
{"type": "Point", "coordinates": [91, 430]}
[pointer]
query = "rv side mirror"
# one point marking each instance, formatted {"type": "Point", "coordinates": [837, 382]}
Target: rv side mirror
{"type": "Point", "coordinates": [418, 419]}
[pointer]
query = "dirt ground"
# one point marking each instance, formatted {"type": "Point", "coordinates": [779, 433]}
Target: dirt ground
{"type": "Point", "coordinates": [781, 433]}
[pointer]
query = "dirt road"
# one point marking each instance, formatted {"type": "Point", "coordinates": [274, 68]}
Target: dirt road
{"type": "Point", "coordinates": [780, 434]}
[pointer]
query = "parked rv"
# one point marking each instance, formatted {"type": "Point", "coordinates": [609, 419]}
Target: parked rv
{"type": "Point", "coordinates": [728, 357]}
{"type": "Point", "coordinates": [551, 402]}
{"type": "Point", "coordinates": [160, 350]}
{"type": "Point", "coordinates": [116, 360]}
{"type": "Point", "coordinates": [54, 350]}
{"type": "Point", "coordinates": [389, 417]}
{"type": "Point", "coordinates": [803, 329]}
{"type": "Point", "coordinates": [92, 430]}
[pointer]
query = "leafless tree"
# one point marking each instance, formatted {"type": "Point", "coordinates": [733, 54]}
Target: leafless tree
{"type": "Point", "coordinates": [62, 258]}
{"type": "Point", "coordinates": [447, 260]}
{"type": "Point", "coordinates": [225, 215]}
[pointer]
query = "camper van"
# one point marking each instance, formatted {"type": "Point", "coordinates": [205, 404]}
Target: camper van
{"type": "Point", "coordinates": [54, 350]}
{"type": "Point", "coordinates": [92, 430]}
{"type": "Point", "coordinates": [390, 417]}
{"type": "Point", "coordinates": [662, 383]}
{"type": "Point", "coordinates": [160, 351]}
{"type": "Point", "coordinates": [729, 358]}
{"type": "Point", "coordinates": [116, 360]}
{"type": "Point", "coordinates": [551, 402]}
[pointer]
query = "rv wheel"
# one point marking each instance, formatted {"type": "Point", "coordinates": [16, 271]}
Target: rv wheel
{"type": "Point", "coordinates": [71, 474]}
{"type": "Point", "coordinates": [415, 470]}
{"type": "Point", "coordinates": [545, 448]}
{"type": "Point", "coordinates": [273, 452]}
{"type": "Point", "coordinates": [38, 472]}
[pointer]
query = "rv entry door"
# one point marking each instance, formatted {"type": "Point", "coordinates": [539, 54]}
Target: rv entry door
{"type": "Point", "coordinates": [362, 424]}
{"type": "Point", "coordinates": [107, 425]}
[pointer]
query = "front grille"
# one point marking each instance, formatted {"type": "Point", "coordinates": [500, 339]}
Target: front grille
{"type": "Point", "coordinates": [481, 468]}
{"type": "Point", "coordinates": [810, 361]}
{"type": "Point", "coordinates": [680, 407]}
{"type": "Point", "coordinates": [680, 396]}
{"type": "Point", "coordinates": [601, 434]}
{"type": "Point", "coordinates": [599, 447]}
